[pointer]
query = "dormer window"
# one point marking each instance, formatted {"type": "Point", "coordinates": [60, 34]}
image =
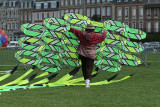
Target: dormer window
{"type": "Point", "coordinates": [53, 4]}
{"type": "Point", "coordinates": [45, 5]}
{"type": "Point", "coordinates": [38, 5]}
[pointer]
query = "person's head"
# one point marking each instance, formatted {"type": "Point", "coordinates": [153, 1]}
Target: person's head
{"type": "Point", "coordinates": [90, 28]}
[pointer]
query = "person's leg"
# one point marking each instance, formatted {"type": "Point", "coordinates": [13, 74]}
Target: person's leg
{"type": "Point", "coordinates": [89, 68]}
{"type": "Point", "coordinates": [83, 65]}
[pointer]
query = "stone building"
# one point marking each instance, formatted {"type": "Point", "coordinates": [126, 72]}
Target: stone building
{"type": "Point", "coordinates": [140, 14]}
{"type": "Point", "coordinates": [44, 9]}
{"type": "Point", "coordinates": [152, 16]}
{"type": "Point", "coordinates": [9, 18]}
{"type": "Point", "coordinates": [14, 13]}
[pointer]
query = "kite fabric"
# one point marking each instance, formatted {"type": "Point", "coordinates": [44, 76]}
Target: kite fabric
{"type": "Point", "coordinates": [51, 45]}
{"type": "Point", "coordinates": [3, 39]}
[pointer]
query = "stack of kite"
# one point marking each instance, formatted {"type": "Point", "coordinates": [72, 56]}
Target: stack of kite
{"type": "Point", "coordinates": [3, 39]}
{"type": "Point", "coordinates": [51, 45]}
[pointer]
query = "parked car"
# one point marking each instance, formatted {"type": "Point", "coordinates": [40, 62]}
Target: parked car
{"type": "Point", "coordinates": [13, 45]}
{"type": "Point", "coordinates": [151, 45]}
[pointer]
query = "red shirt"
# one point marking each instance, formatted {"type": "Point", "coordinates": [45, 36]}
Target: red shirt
{"type": "Point", "coordinates": [88, 42]}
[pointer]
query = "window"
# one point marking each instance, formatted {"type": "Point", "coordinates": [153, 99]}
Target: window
{"type": "Point", "coordinates": [98, 1]}
{"type": "Point", "coordinates": [16, 26]}
{"type": "Point", "coordinates": [29, 16]}
{"type": "Point", "coordinates": [76, 2]}
{"type": "Point", "coordinates": [81, 11]}
{"type": "Point", "coordinates": [148, 11]}
{"type": "Point", "coordinates": [88, 1]}
{"type": "Point", "coordinates": [45, 15]}
{"type": "Point", "coordinates": [55, 14]}
{"type": "Point", "coordinates": [66, 2]}
{"type": "Point", "coordinates": [93, 12]}
{"type": "Point", "coordinates": [134, 11]}
{"type": "Point", "coordinates": [126, 12]}
{"type": "Point", "coordinates": [25, 4]}
{"type": "Point", "coordinates": [88, 12]}
{"type": "Point", "coordinates": [8, 26]}
{"type": "Point", "coordinates": [80, 2]}
{"type": "Point", "coordinates": [71, 11]}
{"type": "Point", "coordinates": [156, 11]}
{"type": "Point", "coordinates": [53, 4]}
{"type": "Point", "coordinates": [4, 3]}
{"type": "Point", "coordinates": [108, 11]}
{"type": "Point", "coordinates": [71, 2]}
{"type": "Point", "coordinates": [9, 3]}
{"type": "Point", "coordinates": [30, 4]}
{"type": "Point", "coordinates": [50, 14]}
{"type": "Point", "coordinates": [103, 11]}
{"type": "Point", "coordinates": [45, 5]}
{"type": "Point", "coordinates": [103, 1]}
{"type": "Point", "coordinates": [119, 12]}
{"type": "Point", "coordinates": [93, 1]}
{"type": "Point", "coordinates": [98, 11]}
{"type": "Point", "coordinates": [141, 25]}
{"type": "Point", "coordinates": [141, 11]}
{"type": "Point", "coordinates": [21, 5]}
{"type": "Point", "coordinates": [14, 3]}
{"type": "Point", "coordinates": [156, 26]}
{"type": "Point", "coordinates": [149, 26]}
{"type": "Point", "coordinates": [35, 16]}
{"type": "Point", "coordinates": [11, 25]}
{"type": "Point", "coordinates": [16, 13]}
{"type": "Point", "coordinates": [40, 16]}
{"type": "Point", "coordinates": [76, 10]}
{"type": "Point", "coordinates": [62, 2]}
{"type": "Point", "coordinates": [38, 6]}
{"type": "Point", "coordinates": [21, 16]}
{"type": "Point", "coordinates": [134, 24]}
{"type": "Point", "coordinates": [66, 11]}
{"type": "Point", "coordinates": [118, 0]}
{"type": "Point", "coordinates": [62, 13]}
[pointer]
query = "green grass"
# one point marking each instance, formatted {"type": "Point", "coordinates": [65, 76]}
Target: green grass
{"type": "Point", "coordinates": [141, 90]}
{"type": "Point", "coordinates": [7, 56]}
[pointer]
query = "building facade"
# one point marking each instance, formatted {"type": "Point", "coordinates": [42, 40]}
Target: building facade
{"type": "Point", "coordinates": [44, 9]}
{"type": "Point", "coordinates": [140, 14]}
{"type": "Point", "coordinates": [152, 16]}
{"type": "Point", "coordinates": [14, 13]}
{"type": "Point", "coordinates": [9, 18]}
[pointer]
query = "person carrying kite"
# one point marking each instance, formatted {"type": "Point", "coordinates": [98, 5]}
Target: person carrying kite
{"type": "Point", "coordinates": [87, 49]}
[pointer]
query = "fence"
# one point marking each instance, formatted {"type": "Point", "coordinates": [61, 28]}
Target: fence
{"type": "Point", "coordinates": [7, 56]}
{"type": "Point", "coordinates": [150, 55]}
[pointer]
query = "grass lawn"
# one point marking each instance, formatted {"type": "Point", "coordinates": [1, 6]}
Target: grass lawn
{"type": "Point", "coordinates": [141, 90]}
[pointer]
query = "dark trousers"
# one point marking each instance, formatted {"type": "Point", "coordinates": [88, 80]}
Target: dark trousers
{"type": "Point", "coordinates": [87, 66]}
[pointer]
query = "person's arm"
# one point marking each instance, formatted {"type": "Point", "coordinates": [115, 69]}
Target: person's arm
{"type": "Point", "coordinates": [78, 33]}
{"type": "Point", "coordinates": [102, 37]}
